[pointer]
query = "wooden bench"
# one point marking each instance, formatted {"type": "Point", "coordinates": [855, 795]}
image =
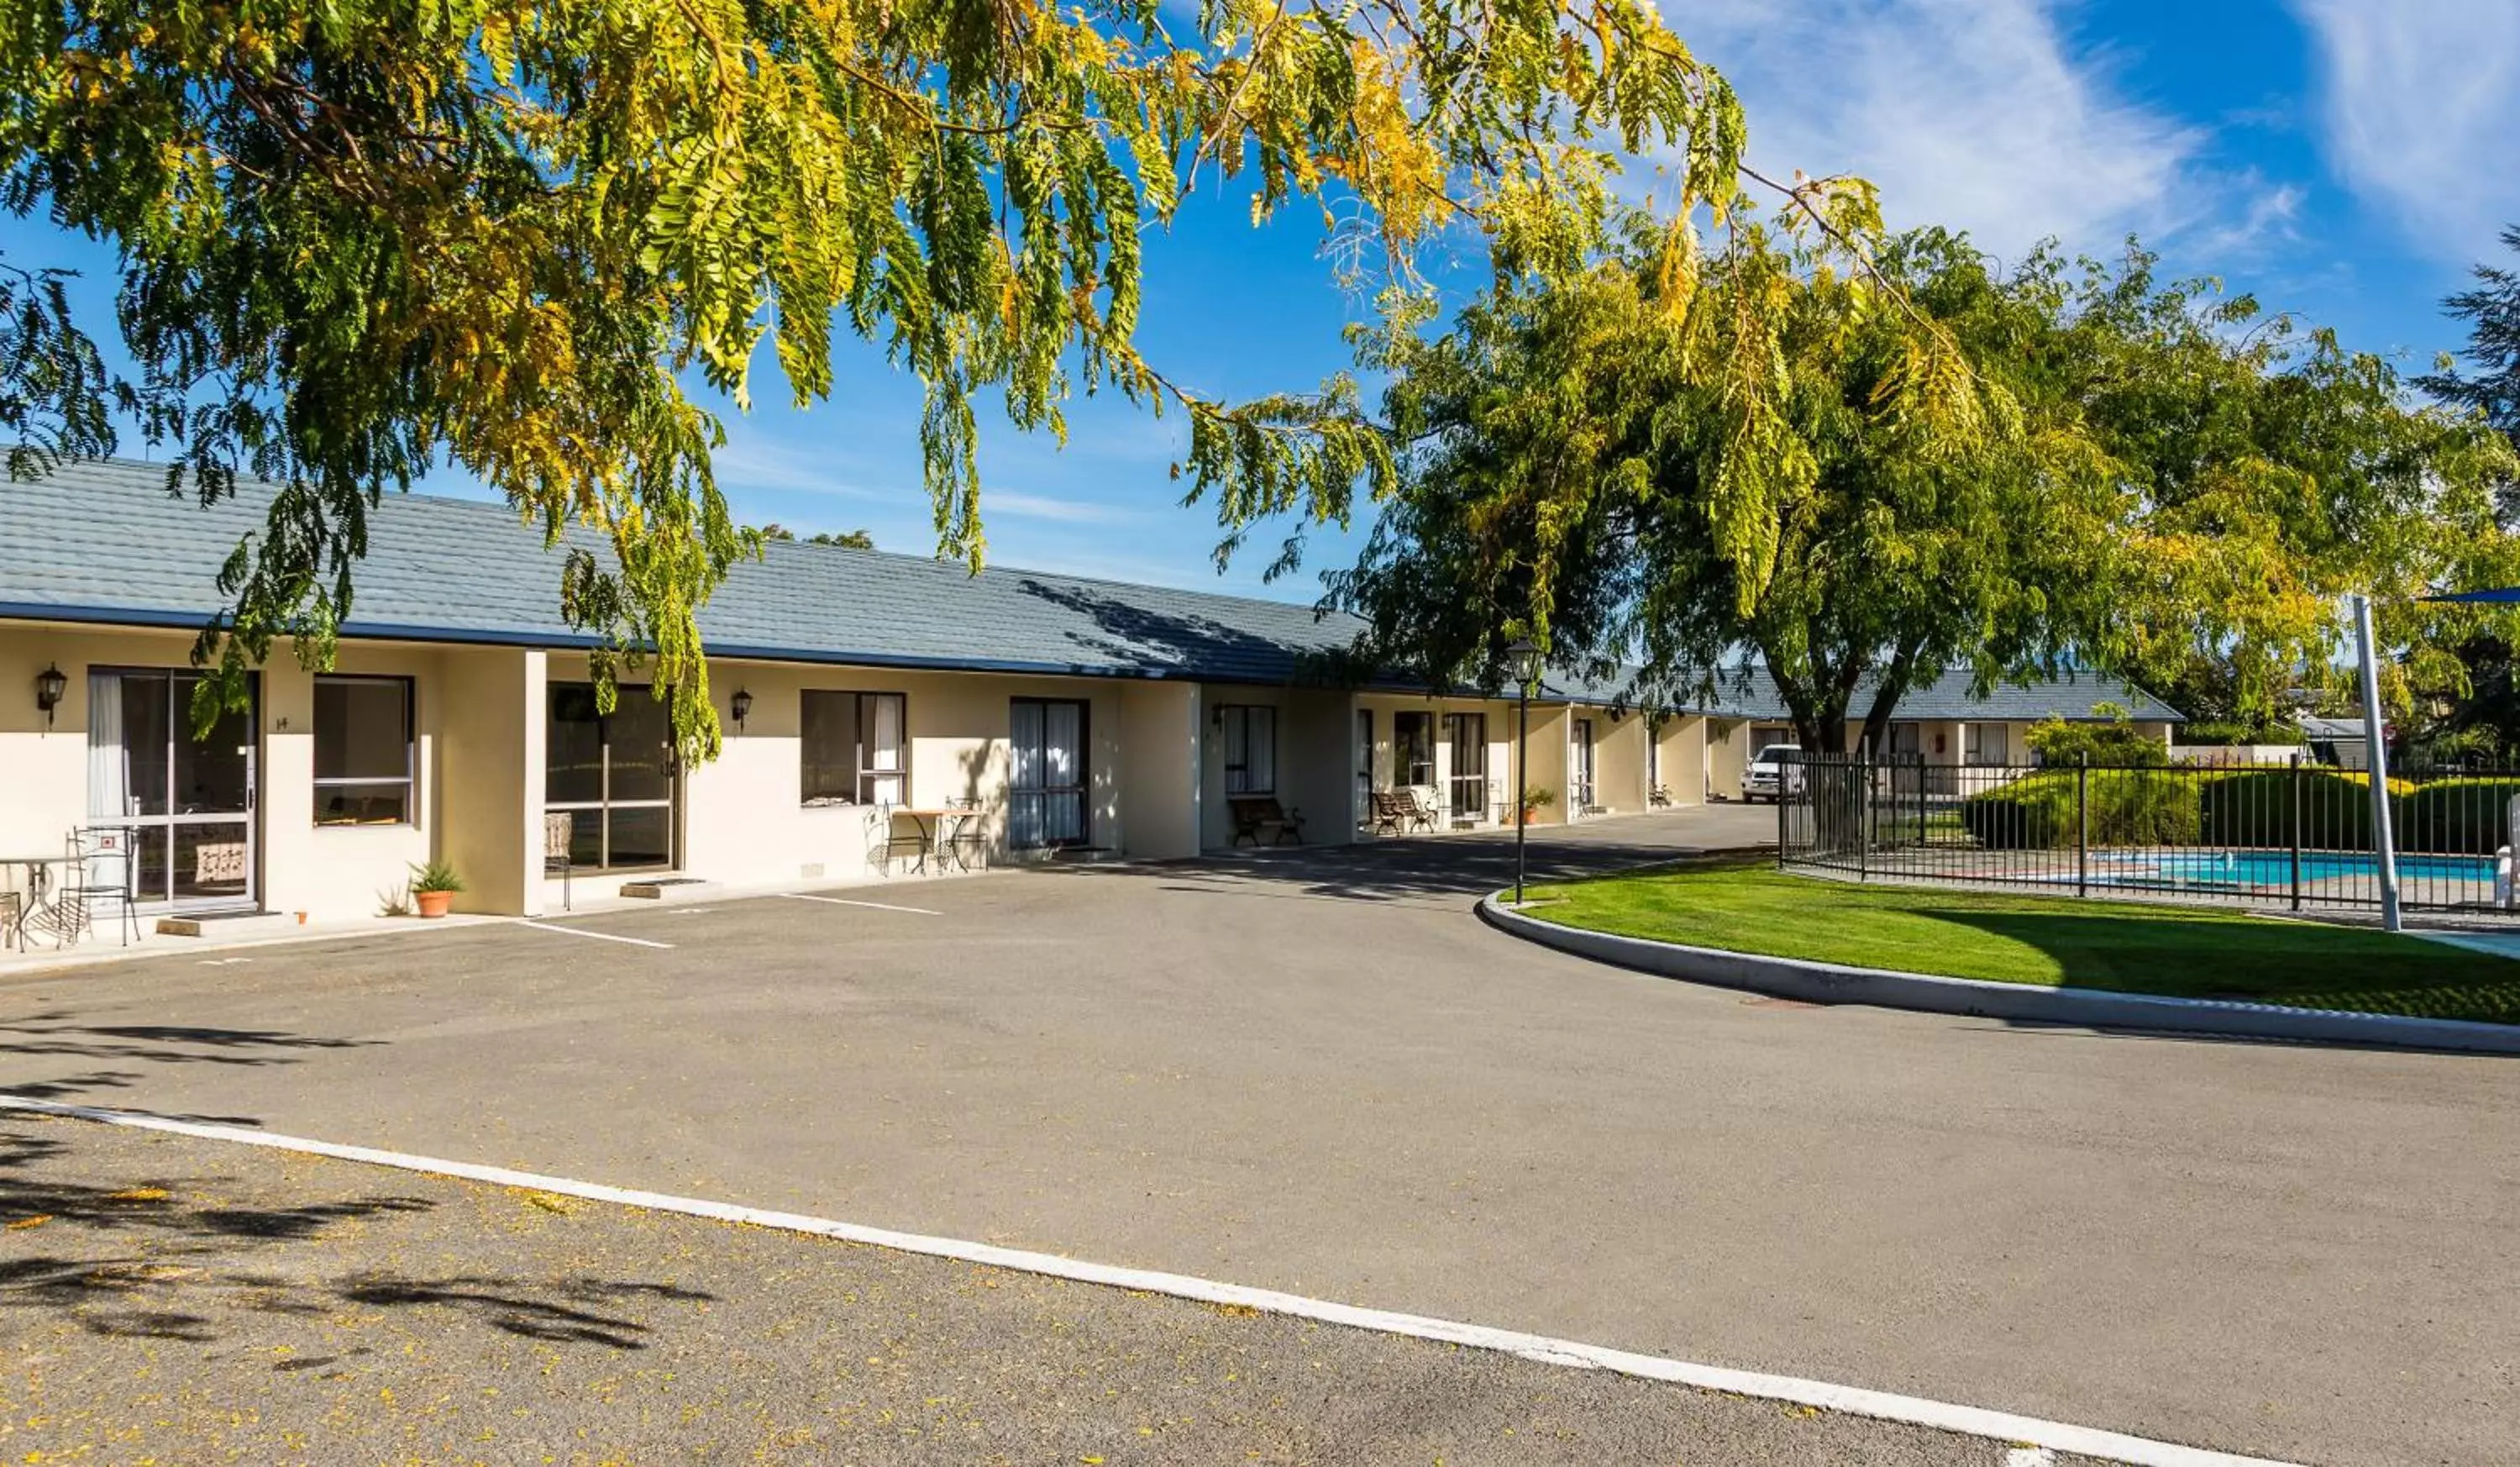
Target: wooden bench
{"type": "Point", "coordinates": [1395, 813]}
{"type": "Point", "coordinates": [1256, 816]}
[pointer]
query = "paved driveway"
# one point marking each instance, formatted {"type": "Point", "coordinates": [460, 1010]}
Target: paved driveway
{"type": "Point", "coordinates": [1318, 1072]}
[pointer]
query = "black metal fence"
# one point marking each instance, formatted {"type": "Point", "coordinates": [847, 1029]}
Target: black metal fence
{"type": "Point", "coordinates": [2297, 835]}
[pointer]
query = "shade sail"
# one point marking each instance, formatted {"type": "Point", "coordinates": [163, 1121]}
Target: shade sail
{"type": "Point", "coordinates": [2499, 593]}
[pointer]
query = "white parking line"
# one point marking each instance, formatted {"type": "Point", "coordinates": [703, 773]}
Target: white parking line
{"type": "Point", "coordinates": [576, 932]}
{"type": "Point", "coordinates": [880, 907]}
{"type": "Point", "coordinates": [1854, 1400]}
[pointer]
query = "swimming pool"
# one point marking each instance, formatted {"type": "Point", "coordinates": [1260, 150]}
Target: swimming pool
{"type": "Point", "coordinates": [2274, 868]}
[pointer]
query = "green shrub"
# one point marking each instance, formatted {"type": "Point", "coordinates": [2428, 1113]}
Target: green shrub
{"type": "Point", "coordinates": [2114, 741]}
{"type": "Point", "coordinates": [2456, 816]}
{"type": "Point", "coordinates": [2128, 807]}
{"type": "Point", "coordinates": [2253, 807]}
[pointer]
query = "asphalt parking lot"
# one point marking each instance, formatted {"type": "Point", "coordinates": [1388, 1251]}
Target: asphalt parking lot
{"type": "Point", "coordinates": [1318, 1073]}
{"type": "Point", "coordinates": [182, 1301]}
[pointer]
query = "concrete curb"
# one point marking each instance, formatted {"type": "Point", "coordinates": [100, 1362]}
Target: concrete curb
{"type": "Point", "coordinates": [2089, 1008]}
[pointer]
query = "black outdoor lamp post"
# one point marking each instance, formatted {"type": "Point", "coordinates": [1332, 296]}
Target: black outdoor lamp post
{"type": "Point", "coordinates": [1523, 657]}
{"type": "Point", "coordinates": [50, 684]}
{"type": "Point", "coordinates": [742, 704]}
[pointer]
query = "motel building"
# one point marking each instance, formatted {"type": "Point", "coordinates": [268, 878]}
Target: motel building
{"type": "Point", "coordinates": [1059, 716]}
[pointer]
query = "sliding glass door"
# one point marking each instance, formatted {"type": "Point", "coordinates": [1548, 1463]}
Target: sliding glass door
{"type": "Point", "coordinates": [1047, 782]}
{"type": "Point", "coordinates": [614, 774]}
{"type": "Point", "coordinates": [190, 800]}
{"type": "Point", "coordinates": [1467, 734]}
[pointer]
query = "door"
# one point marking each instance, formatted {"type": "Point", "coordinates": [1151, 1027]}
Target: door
{"type": "Point", "coordinates": [1364, 766]}
{"type": "Point", "coordinates": [1046, 804]}
{"type": "Point", "coordinates": [614, 774]}
{"type": "Point", "coordinates": [1467, 734]}
{"type": "Point", "coordinates": [189, 800]}
{"type": "Point", "coordinates": [1579, 769]}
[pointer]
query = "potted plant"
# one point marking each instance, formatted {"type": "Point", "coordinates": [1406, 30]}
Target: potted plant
{"type": "Point", "coordinates": [1535, 798]}
{"type": "Point", "coordinates": [432, 887]}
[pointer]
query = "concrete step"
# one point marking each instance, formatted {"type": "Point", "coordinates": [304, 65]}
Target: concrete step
{"type": "Point", "coordinates": [228, 927]}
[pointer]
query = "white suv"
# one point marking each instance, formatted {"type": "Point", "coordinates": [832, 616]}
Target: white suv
{"type": "Point", "coordinates": [1764, 779]}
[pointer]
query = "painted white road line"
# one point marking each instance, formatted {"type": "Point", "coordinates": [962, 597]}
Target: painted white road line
{"type": "Point", "coordinates": [2030, 1457]}
{"type": "Point", "coordinates": [1852, 1401]}
{"type": "Point", "coordinates": [880, 907]}
{"type": "Point", "coordinates": [579, 931]}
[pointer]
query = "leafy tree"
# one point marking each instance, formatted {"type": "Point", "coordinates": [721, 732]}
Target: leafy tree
{"type": "Point", "coordinates": [1567, 471]}
{"type": "Point", "coordinates": [854, 539]}
{"type": "Point", "coordinates": [2138, 476]}
{"type": "Point", "coordinates": [362, 237]}
{"type": "Point", "coordinates": [2492, 313]}
{"type": "Point", "coordinates": [2113, 742]}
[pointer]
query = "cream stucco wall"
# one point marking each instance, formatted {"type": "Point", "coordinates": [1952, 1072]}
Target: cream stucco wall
{"type": "Point", "coordinates": [1500, 715]}
{"type": "Point", "coordinates": [1728, 754]}
{"type": "Point", "coordinates": [1681, 763]}
{"type": "Point", "coordinates": [1163, 728]}
{"type": "Point", "coordinates": [342, 870]}
{"type": "Point", "coordinates": [327, 873]}
{"type": "Point", "coordinates": [743, 815]}
{"type": "Point", "coordinates": [488, 773]}
{"type": "Point", "coordinates": [1315, 765]}
{"type": "Point", "coordinates": [1618, 762]}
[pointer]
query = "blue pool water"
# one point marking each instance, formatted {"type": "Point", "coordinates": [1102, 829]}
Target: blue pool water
{"type": "Point", "coordinates": [2274, 868]}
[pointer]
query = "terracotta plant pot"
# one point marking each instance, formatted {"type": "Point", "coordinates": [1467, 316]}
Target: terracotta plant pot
{"type": "Point", "coordinates": [432, 903]}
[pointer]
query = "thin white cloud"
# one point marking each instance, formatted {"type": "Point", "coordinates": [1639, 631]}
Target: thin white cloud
{"type": "Point", "coordinates": [1987, 116]}
{"type": "Point", "coordinates": [1047, 507]}
{"type": "Point", "coordinates": [751, 462]}
{"type": "Point", "coordinates": [2421, 104]}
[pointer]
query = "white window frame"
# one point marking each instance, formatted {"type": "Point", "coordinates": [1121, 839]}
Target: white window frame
{"type": "Point", "coordinates": [866, 765]}
{"type": "Point", "coordinates": [408, 779]}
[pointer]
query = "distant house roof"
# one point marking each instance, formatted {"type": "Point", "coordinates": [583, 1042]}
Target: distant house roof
{"type": "Point", "coordinates": [1747, 692]}
{"type": "Point", "coordinates": [103, 541]}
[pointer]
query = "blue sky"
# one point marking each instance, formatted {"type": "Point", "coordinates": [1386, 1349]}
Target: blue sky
{"type": "Point", "coordinates": [2346, 160]}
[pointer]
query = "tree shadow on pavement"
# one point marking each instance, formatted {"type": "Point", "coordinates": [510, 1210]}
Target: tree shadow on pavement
{"type": "Point", "coordinates": [1453, 869]}
{"type": "Point", "coordinates": [192, 1258]}
{"type": "Point", "coordinates": [57, 1034]}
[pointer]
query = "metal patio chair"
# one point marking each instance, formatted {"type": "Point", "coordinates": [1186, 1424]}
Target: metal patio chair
{"type": "Point", "coordinates": [560, 831]}
{"type": "Point", "coordinates": [99, 874]}
{"type": "Point", "coordinates": [970, 836]}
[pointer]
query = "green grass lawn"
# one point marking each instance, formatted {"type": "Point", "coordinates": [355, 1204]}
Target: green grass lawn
{"type": "Point", "coordinates": [2188, 952]}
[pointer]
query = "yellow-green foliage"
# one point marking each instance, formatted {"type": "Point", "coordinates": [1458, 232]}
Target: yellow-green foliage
{"type": "Point", "coordinates": [362, 235]}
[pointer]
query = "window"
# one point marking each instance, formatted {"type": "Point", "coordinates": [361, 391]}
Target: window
{"type": "Point", "coordinates": [1250, 748]}
{"type": "Point", "coordinates": [1412, 749]}
{"type": "Point", "coordinates": [1988, 744]}
{"type": "Point", "coordinates": [613, 774]}
{"type": "Point", "coordinates": [1907, 741]}
{"type": "Point", "coordinates": [363, 751]}
{"type": "Point", "coordinates": [855, 749]}
{"type": "Point", "coordinates": [1046, 774]}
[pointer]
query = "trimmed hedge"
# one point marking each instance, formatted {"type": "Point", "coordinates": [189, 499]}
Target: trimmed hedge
{"type": "Point", "coordinates": [2128, 807]}
{"type": "Point", "coordinates": [2253, 807]}
{"type": "Point", "coordinates": [2248, 808]}
{"type": "Point", "coordinates": [2456, 816]}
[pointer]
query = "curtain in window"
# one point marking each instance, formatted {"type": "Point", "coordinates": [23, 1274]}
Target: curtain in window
{"type": "Point", "coordinates": [1261, 749]}
{"type": "Point", "coordinates": [885, 763]}
{"type": "Point", "coordinates": [1063, 769]}
{"type": "Point", "coordinates": [108, 762]}
{"type": "Point", "coordinates": [1025, 807]}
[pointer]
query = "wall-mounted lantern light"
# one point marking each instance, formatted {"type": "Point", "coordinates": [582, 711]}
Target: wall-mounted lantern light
{"type": "Point", "coordinates": [742, 709]}
{"type": "Point", "coordinates": [50, 685]}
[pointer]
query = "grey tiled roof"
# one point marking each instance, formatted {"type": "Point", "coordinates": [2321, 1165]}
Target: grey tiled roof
{"type": "Point", "coordinates": [103, 541]}
{"type": "Point", "coordinates": [1747, 692]}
